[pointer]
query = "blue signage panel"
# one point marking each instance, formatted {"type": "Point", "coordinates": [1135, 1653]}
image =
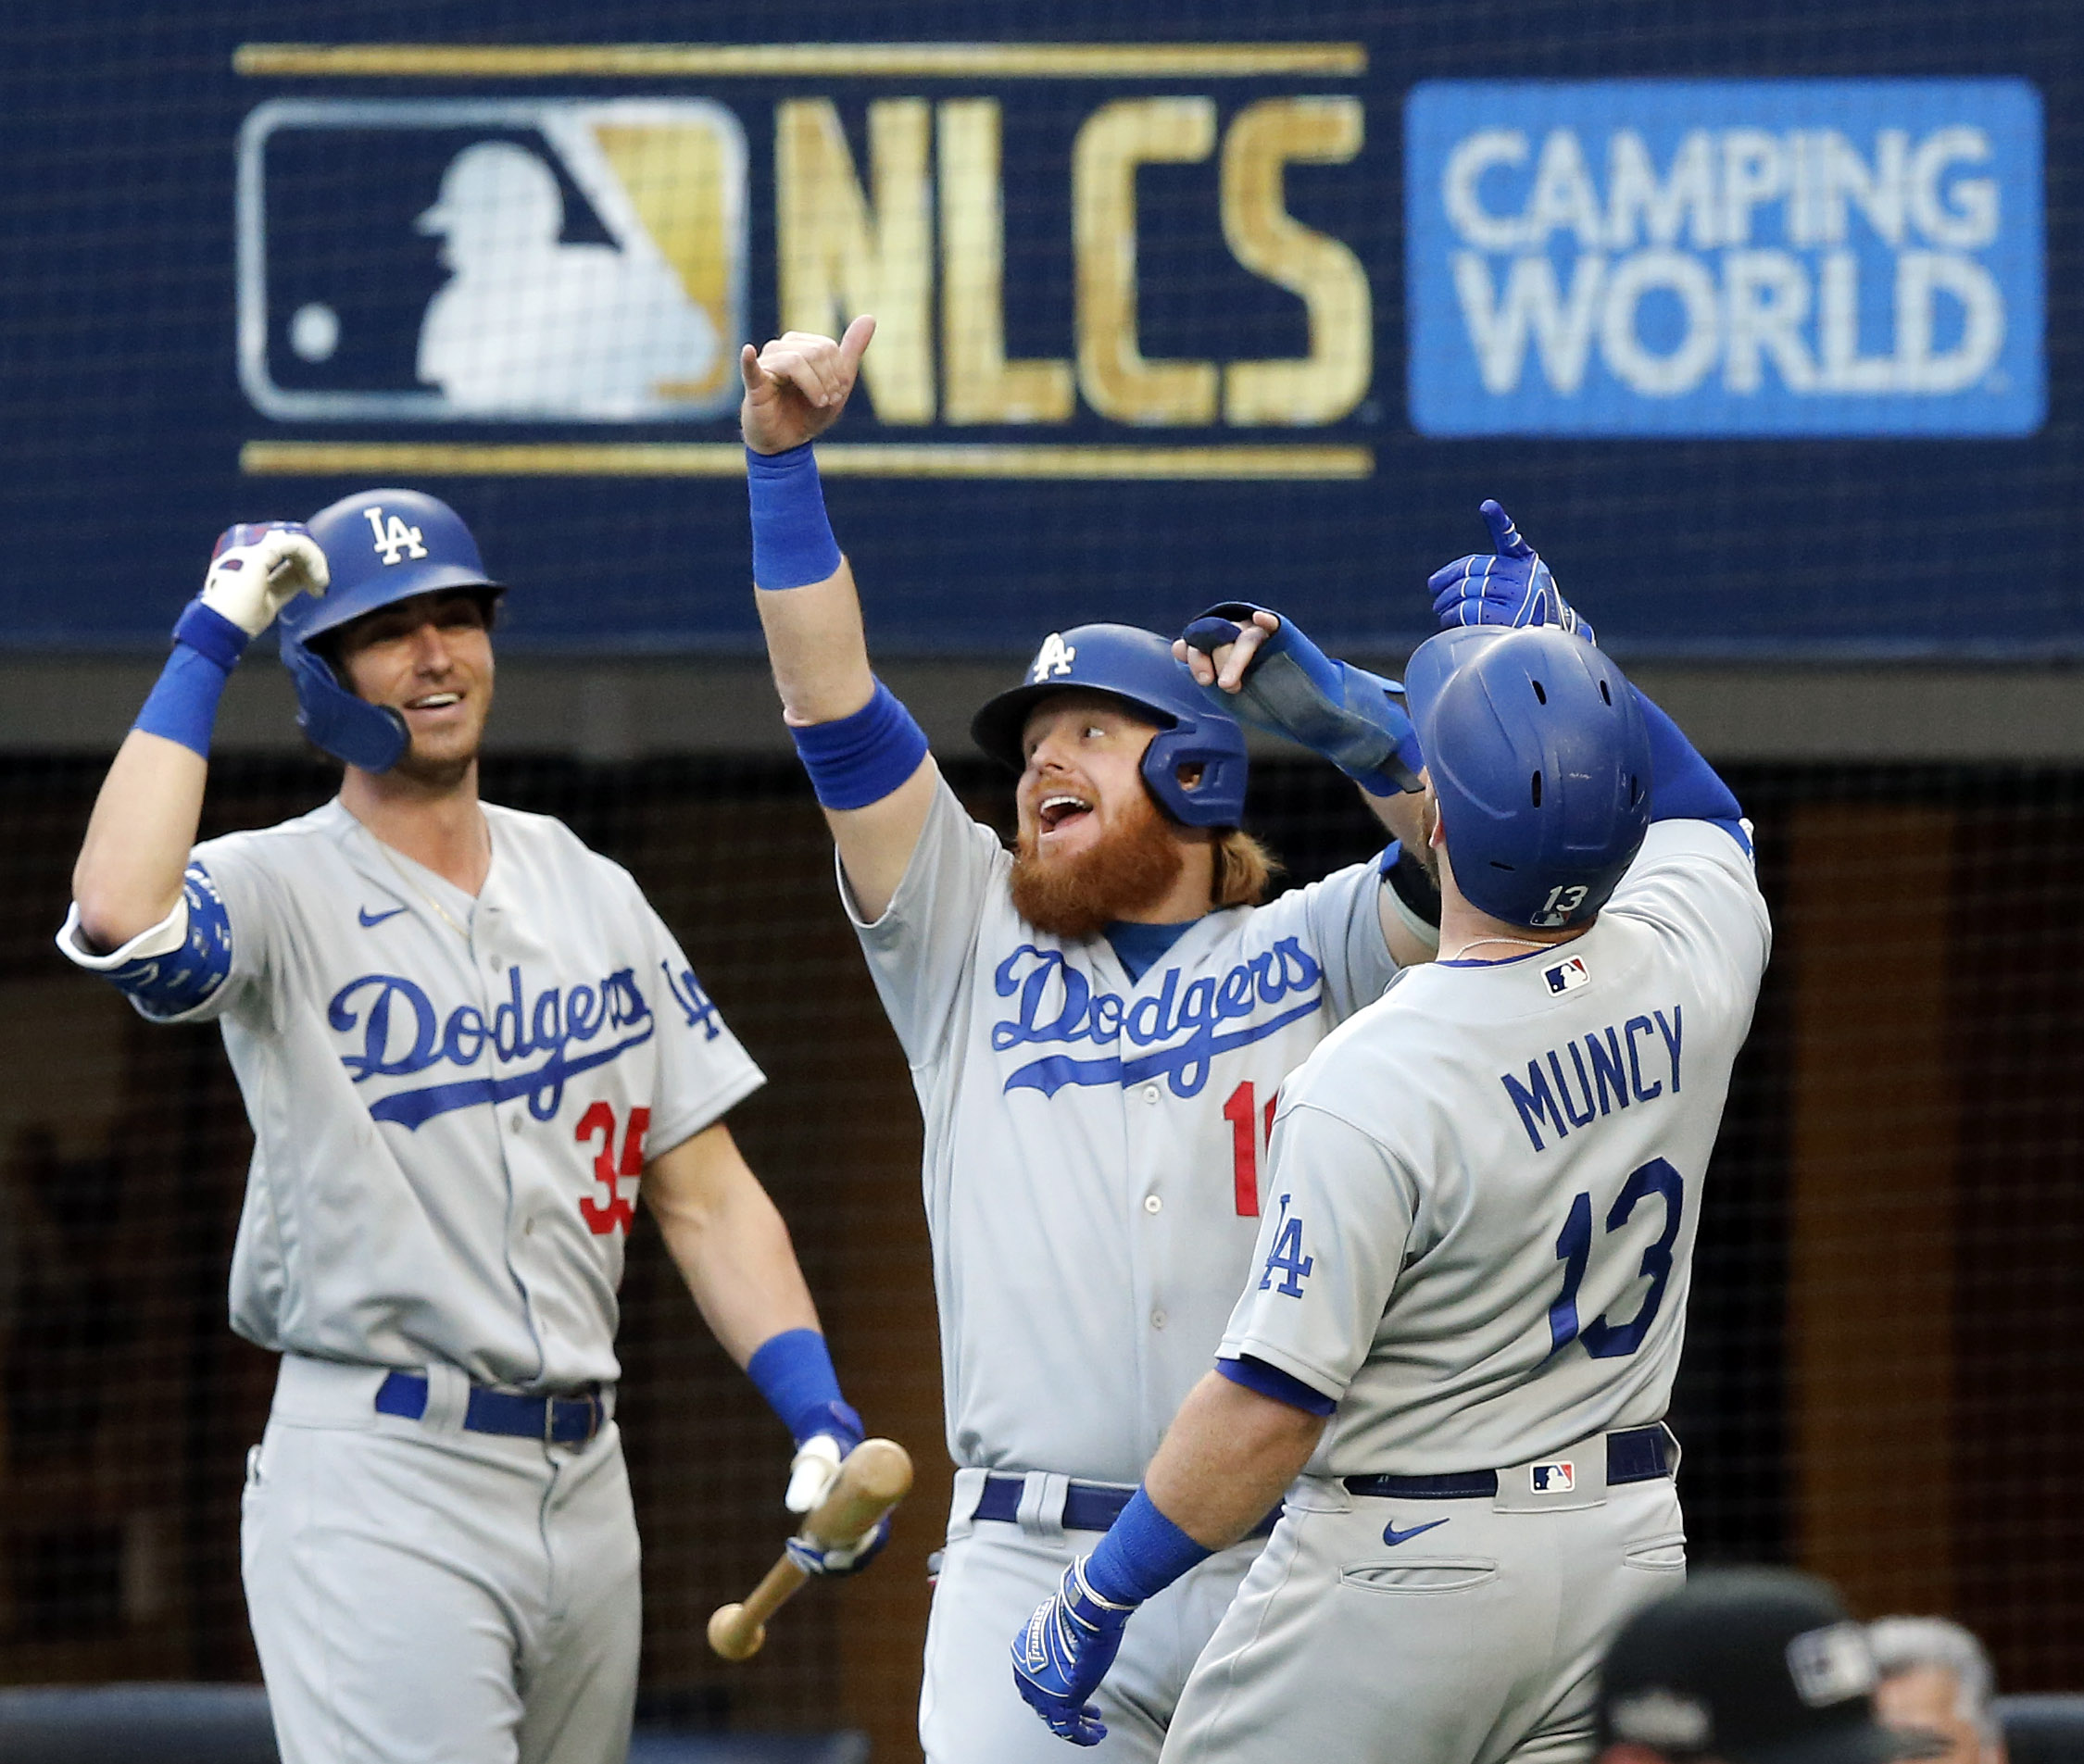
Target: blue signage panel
{"type": "Point", "coordinates": [1725, 258]}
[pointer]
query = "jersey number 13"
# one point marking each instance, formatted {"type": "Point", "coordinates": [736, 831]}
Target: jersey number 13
{"type": "Point", "coordinates": [1574, 1249]}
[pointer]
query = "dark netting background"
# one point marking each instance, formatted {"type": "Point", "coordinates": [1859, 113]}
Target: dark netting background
{"type": "Point", "coordinates": [1884, 1356]}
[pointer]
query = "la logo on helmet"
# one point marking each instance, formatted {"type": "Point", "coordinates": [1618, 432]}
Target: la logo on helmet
{"type": "Point", "coordinates": [1055, 657]}
{"type": "Point", "coordinates": [394, 541]}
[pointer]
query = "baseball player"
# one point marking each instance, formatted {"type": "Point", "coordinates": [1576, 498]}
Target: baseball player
{"type": "Point", "coordinates": [1748, 1666]}
{"type": "Point", "coordinates": [466, 1047]}
{"type": "Point", "coordinates": [1468, 1297]}
{"type": "Point", "coordinates": [1096, 1025]}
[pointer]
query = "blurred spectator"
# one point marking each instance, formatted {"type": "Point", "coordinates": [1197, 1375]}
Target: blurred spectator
{"type": "Point", "coordinates": [1746, 1666]}
{"type": "Point", "coordinates": [1935, 1678]}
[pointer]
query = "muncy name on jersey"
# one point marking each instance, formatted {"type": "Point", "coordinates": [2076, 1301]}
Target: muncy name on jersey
{"type": "Point", "coordinates": [1606, 1071]}
{"type": "Point", "coordinates": [1055, 1003]}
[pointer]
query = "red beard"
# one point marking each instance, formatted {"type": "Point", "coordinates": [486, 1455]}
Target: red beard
{"type": "Point", "coordinates": [1133, 867]}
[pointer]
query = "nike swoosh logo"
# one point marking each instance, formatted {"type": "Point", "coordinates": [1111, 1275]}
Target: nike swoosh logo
{"type": "Point", "coordinates": [1390, 1534]}
{"type": "Point", "coordinates": [370, 918]}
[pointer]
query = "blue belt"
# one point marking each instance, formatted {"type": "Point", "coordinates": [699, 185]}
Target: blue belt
{"type": "Point", "coordinates": [1636, 1455]}
{"type": "Point", "coordinates": [1087, 1507]}
{"type": "Point", "coordinates": [556, 1421]}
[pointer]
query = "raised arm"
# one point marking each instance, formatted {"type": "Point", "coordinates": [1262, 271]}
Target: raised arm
{"type": "Point", "coordinates": [129, 874]}
{"type": "Point", "coordinates": [1267, 673]}
{"type": "Point", "coordinates": [867, 758]}
{"type": "Point", "coordinates": [1513, 587]}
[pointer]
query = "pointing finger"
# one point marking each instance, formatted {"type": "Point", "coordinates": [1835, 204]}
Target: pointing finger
{"type": "Point", "coordinates": [1505, 537]}
{"type": "Point", "coordinates": [749, 369]}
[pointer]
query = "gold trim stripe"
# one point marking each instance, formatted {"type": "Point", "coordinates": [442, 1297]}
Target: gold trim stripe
{"type": "Point", "coordinates": [835, 459]}
{"type": "Point", "coordinates": [798, 60]}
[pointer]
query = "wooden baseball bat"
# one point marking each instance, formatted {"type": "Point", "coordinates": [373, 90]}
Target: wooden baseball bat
{"type": "Point", "coordinates": [875, 1477]}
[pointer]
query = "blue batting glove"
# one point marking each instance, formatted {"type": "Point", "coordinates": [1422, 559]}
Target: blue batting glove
{"type": "Point", "coordinates": [828, 1563]}
{"type": "Point", "coordinates": [1354, 719]}
{"type": "Point", "coordinates": [1063, 1654]}
{"type": "Point", "coordinates": [1513, 587]}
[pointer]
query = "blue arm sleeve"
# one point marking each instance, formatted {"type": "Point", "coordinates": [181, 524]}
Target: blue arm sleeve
{"type": "Point", "coordinates": [179, 980]}
{"type": "Point", "coordinates": [1685, 787]}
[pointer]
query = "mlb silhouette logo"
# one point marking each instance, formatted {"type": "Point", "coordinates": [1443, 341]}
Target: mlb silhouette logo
{"type": "Point", "coordinates": [1558, 1478]}
{"type": "Point", "coordinates": [479, 260]}
{"type": "Point", "coordinates": [1566, 976]}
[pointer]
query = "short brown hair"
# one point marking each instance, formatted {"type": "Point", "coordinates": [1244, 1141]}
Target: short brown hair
{"type": "Point", "coordinates": [1244, 868]}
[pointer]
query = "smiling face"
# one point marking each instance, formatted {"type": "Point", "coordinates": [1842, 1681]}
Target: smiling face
{"type": "Point", "coordinates": [1083, 752]}
{"type": "Point", "coordinates": [1092, 846]}
{"type": "Point", "coordinates": [428, 659]}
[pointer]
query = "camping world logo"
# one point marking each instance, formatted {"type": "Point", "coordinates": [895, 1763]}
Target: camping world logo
{"type": "Point", "coordinates": [1743, 257]}
{"type": "Point", "coordinates": [461, 260]}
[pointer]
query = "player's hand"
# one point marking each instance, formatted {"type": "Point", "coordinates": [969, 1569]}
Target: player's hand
{"type": "Point", "coordinates": [1065, 1651]}
{"type": "Point", "coordinates": [1218, 652]}
{"type": "Point", "coordinates": [1511, 587]}
{"type": "Point", "coordinates": [828, 1562]}
{"type": "Point", "coordinates": [798, 384]}
{"type": "Point", "coordinates": [1264, 671]}
{"type": "Point", "coordinates": [813, 1470]}
{"type": "Point", "coordinates": [257, 570]}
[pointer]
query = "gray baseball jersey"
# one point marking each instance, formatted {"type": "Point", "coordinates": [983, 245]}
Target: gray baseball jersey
{"type": "Point", "coordinates": [1094, 1144]}
{"type": "Point", "coordinates": [452, 1098]}
{"type": "Point", "coordinates": [1480, 1220]}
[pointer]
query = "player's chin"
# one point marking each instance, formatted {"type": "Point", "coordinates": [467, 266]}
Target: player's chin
{"type": "Point", "coordinates": [442, 756]}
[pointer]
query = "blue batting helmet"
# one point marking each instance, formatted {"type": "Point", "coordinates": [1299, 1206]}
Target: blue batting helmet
{"type": "Point", "coordinates": [382, 546]}
{"type": "Point", "coordinates": [1136, 667]}
{"type": "Point", "coordinates": [1540, 759]}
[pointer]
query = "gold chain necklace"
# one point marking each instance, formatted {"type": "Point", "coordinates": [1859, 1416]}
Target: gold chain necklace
{"type": "Point", "coordinates": [405, 876]}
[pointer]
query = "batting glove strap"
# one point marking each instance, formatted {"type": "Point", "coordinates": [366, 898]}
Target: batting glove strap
{"type": "Point", "coordinates": [1294, 689]}
{"type": "Point", "coordinates": [1063, 1653]}
{"type": "Point", "coordinates": [828, 1563]}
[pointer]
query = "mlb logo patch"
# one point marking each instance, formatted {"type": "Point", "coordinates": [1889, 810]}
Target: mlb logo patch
{"type": "Point", "coordinates": [492, 261]}
{"type": "Point", "coordinates": [1567, 976]}
{"type": "Point", "coordinates": [1558, 1478]}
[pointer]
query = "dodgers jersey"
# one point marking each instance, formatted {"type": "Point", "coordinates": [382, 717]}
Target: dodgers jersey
{"type": "Point", "coordinates": [449, 1130]}
{"type": "Point", "coordinates": [1092, 1144]}
{"type": "Point", "coordinates": [1485, 1188]}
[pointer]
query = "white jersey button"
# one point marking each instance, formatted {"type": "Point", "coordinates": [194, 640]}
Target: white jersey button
{"type": "Point", "coordinates": [1157, 1320]}
{"type": "Point", "coordinates": [1151, 1204]}
{"type": "Point", "coordinates": [1150, 1093]}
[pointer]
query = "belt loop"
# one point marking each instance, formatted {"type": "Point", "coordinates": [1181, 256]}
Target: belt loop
{"type": "Point", "coordinates": [448, 1399]}
{"type": "Point", "coordinates": [962, 1509]}
{"type": "Point", "coordinates": [1041, 1511]}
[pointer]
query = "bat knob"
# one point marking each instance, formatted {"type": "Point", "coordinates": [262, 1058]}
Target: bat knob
{"type": "Point", "coordinates": [728, 1636]}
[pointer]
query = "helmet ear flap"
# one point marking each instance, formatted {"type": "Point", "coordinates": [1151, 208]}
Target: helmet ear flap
{"type": "Point", "coordinates": [1216, 797]}
{"type": "Point", "coordinates": [370, 737]}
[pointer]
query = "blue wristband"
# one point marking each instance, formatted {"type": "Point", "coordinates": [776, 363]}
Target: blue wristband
{"type": "Point", "coordinates": [1143, 1552]}
{"type": "Point", "coordinates": [860, 759]}
{"type": "Point", "coordinates": [182, 704]}
{"type": "Point", "coordinates": [791, 541]}
{"type": "Point", "coordinates": [793, 1373]}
